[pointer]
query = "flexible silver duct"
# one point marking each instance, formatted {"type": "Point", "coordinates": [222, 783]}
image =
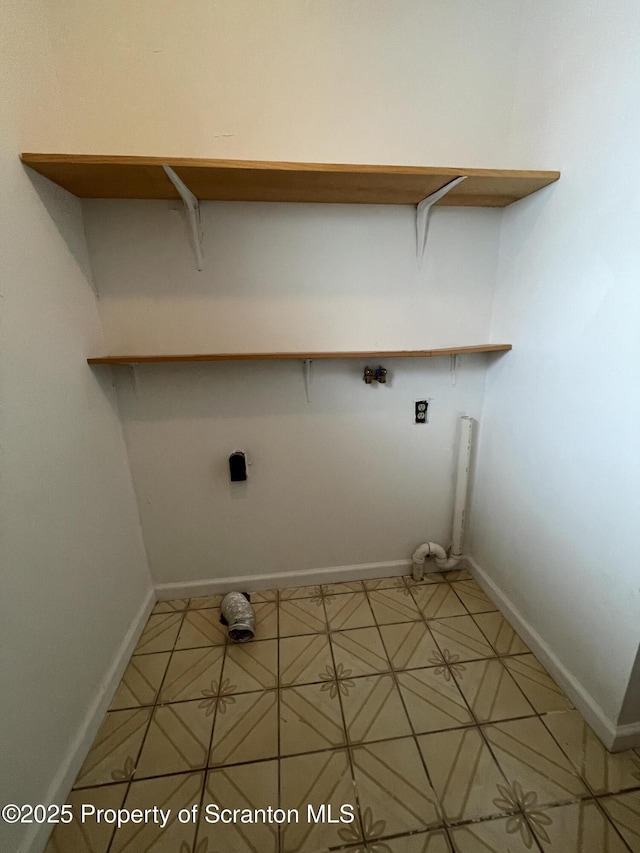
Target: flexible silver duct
{"type": "Point", "coordinates": [238, 614]}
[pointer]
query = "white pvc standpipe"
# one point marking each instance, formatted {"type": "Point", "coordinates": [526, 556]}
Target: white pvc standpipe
{"type": "Point", "coordinates": [432, 549]}
{"type": "Point", "coordinates": [462, 485]}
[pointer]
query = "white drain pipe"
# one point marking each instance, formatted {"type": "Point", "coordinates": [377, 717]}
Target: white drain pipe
{"type": "Point", "coordinates": [432, 549]}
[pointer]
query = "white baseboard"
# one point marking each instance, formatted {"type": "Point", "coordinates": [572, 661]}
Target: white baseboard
{"type": "Point", "coordinates": [615, 738]}
{"type": "Point", "coordinates": [281, 580]}
{"type": "Point", "coordinates": [626, 737]}
{"type": "Point", "coordinates": [36, 839]}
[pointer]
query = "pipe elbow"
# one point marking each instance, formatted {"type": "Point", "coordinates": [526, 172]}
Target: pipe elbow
{"type": "Point", "coordinates": [423, 552]}
{"type": "Point", "coordinates": [431, 549]}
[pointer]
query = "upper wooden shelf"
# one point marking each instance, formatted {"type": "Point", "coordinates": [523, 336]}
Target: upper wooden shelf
{"type": "Point", "coordinates": [263, 356]}
{"type": "Point", "coordinates": [90, 176]}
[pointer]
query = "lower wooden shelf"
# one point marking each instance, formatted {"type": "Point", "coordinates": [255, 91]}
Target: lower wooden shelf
{"type": "Point", "coordinates": [287, 356]}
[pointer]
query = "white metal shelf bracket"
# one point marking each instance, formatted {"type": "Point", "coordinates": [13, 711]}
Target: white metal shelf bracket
{"type": "Point", "coordinates": [133, 378]}
{"type": "Point", "coordinates": [307, 377]}
{"type": "Point", "coordinates": [423, 214]}
{"type": "Point", "coordinates": [453, 368]}
{"type": "Point", "coordinates": [192, 210]}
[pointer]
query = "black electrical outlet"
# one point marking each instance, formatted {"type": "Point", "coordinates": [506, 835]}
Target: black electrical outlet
{"type": "Point", "coordinates": [421, 412]}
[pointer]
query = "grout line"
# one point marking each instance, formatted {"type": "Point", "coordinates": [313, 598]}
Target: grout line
{"type": "Point", "coordinates": [591, 796]}
{"type": "Point", "coordinates": [439, 809]}
{"type": "Point", "coordinates": [611, 822]}
{"type": "Point", "coordinates": [464, 699]}
{"type": "Point", "coordinates": [208, 756]}
{"type": "Point", "coordinates": [278, 711]}
{"type": "Point", "coordinates": [151, 716]}
{"type": "Point", "coordinates": [346, 747]}
{"type": "Point", "coordinates": [578, 798]}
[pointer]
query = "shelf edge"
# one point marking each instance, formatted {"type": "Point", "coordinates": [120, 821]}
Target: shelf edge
{"type": "Point", "coordinates": [292, 356]}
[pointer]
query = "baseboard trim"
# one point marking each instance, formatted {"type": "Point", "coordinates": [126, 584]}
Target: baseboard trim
{"type": "Point", "coordinates": [281, 580]}
{"type": "Point", "coordinates": [36, 839]}
{"type": "Point", "coordinates": [627, 737]}
{"type": "Point", "coordinates": [615, 738]}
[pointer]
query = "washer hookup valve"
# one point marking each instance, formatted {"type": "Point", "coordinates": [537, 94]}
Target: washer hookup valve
{"type": "Point", "coordinates": [378, 375]}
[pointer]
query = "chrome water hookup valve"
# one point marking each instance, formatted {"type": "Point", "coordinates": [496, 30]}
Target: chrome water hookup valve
{"type": "Point", "coordinates": [378, 375]}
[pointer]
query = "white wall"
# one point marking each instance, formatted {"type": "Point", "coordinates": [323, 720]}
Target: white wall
{"type": "Point", "coordinates": [74, 571]}
{"type": "Point", "coordinates": [347, 479]}
{"type": "Point", "coordinates": [291, 277]}
{"type": "Point", "coordinates": [557, 501]}
{"type": "Point", "coordinates": [365, 81]}
{"type": "Point", "coordinates": [358, 82]}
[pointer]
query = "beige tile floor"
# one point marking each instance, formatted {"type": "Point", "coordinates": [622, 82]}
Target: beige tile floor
{"type": "Point", "coordinates": [415, 702]}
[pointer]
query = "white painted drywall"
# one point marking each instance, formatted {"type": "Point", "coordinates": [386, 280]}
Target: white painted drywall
{"type": "Point", "coordinates": [365, 81]}
{"type": "Point", "coordinates": [557, 502]}
{"type": "Point", "coordinates": [291, 277]}
{"type": "Point", "coordinates": [347, 479]}
{"type": "Point", "coordinates": [73, 568]}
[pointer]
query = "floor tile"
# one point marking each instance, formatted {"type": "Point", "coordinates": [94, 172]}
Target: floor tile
{"type": "Point", "coordinates": [427, 578]}
{"type": "Point", "coordinates": [205, 602]}
{"type": "Point", "coordinates": [159, 634]}
{"type": "Point", "coordinates": [458, 575]}
{"type": "Point", "coordinates": [394, 605]}
{"type": "Point", "coordinates": [473, 596]}
{"type": "Point", "coordinates": [301, 616]}
{"type": "Point", "coordinates": [537, 685]}
{"type": "Point", "coordinates": [112, 757]}
{"type": "Point", "coordinates": [178, 740]}
{"type": "Point", "coordinates": [350, 610]}
{"type": "Point", "coordinates": [359, 652]}
{"type": "Point", "coordinates": [463, 772]}
{"type": "Point", "coordinates": [251, 666]}
{"type": "Point", "coordinates": [408, 644]}
{"type": "Point", "coordinates": [89, 836]}
{"type": "Point", "coordinates": [447, 664]}
{"type": "Point", "coordinates": [432, 702]}
{"type": "Point", "coordinates": [494, 836]}
{"type": "Point", "coordinates": [305, 659]}
{"type": "Point", "coordinates": [576, 828]}
{"type": "Point", "coordinates": [338, 588]}
{"type": "Point", "coordinates": [491, 692]}
{"type": "Point", "coordinates": [266, 620]}
{"type": "Point", "coordinates": [438, 601]}
{"type": "Point", "coordinates": [422, 842]}
{"type": "Point", "coordinates": [167, 792]}
{"type": "Point", "coordinates": [245, 786]}
{"type": "Point", "coordinates": [176, 605]}
{"type": "Point", "coordinates": [395, 582]}
{"type": "Point", "coordinates": [312, 591]}
{"type": "Point", "coordinates": [310, 719]}
{"type": "Point", "coordinates": [461, 636]}
{"type": "Point", "coordinates": [220, 701]}
{"type": "Point", "coordinates": [192, 674]}
{"type": "Point", "coordinates": [264, 595]}
{"type": "Point", "coordinates": [201, 628]}
{"type": "Point", "coordinates": [322, 777]}
{"type": "Point", "coordinates": [604, 772]}
{"type": "Point", "coordinates": [624, 811]}
{"type": "Point", "coordinates": [393, 786]}
{"type": "Point", "coordinates": [528, 755]}
{"type": "Point", "coordinates": [373, 709]}
{"type": "Point", "coordinates": [500, 634]}
{"type": "Point", "coordinates": [141, 681]}
{"type": "Point", "coordinates": [248, 732]}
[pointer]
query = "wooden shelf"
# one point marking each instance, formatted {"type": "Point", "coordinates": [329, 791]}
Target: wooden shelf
{"type": "Point", "coordinates": [300, 356]}
{"type": "Point", "coordinates": [90, 176]}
